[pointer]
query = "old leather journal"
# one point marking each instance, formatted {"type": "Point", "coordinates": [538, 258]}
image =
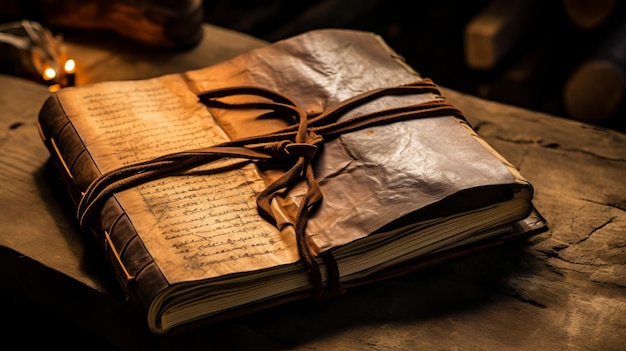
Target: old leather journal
{"type": "Point", "coordinates": [296, 170]}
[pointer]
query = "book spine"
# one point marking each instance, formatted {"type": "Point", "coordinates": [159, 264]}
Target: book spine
{"type": "Point", "coordinates": [113, 231]}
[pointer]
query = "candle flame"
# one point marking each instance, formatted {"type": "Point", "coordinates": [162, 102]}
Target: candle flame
{"type": "Point", "coordinates": [49, 73]}
{"type": "Point", "coordinates": [70, 66]}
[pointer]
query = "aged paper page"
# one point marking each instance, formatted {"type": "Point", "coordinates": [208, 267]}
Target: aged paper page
{"type": "Point", "coordinates": [194, 226]}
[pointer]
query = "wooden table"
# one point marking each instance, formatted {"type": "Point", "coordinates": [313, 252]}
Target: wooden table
{"type": "Point", "coordinates": [564, 289]}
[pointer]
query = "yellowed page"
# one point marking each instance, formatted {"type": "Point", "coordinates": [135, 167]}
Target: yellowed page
{"type": "Point", "coordinates": [194, 226]}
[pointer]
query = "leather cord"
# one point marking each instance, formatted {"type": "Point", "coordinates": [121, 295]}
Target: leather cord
{"type": "Point", "coordinates": [295, 145]}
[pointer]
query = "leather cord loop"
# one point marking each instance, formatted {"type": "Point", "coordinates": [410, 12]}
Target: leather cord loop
{"type": "Point", "coordinates": [297, 144]}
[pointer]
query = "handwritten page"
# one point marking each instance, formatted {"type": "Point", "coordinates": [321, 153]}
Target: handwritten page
{"type": "Point", "coordinates": [195, 226]}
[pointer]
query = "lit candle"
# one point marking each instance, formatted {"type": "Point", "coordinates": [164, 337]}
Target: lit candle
{"type": "Point", "coordinates": [70, 72]}
{"type": "Point", "coordinates": [49, 74]}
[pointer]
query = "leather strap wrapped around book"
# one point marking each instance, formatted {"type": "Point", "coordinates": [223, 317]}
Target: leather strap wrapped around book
{"type": "Point", "coordinates": [296, 144]}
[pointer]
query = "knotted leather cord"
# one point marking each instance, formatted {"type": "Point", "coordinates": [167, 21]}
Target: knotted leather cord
{"type": "Point", "coordinates": [297, 143]}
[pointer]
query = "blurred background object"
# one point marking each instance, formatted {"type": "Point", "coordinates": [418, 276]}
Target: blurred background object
{"type": "Point", "coordinates": [31, 51]}
{"type": "Point", "coordinates": [589, 14]}
{"type": "Point", "coordinates": [596, 88]}
{"type": "Point", "coordinates": [162, 24]}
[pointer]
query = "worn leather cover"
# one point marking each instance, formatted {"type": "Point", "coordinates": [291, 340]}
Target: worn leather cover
{"type": "Point", "coordinates": [317, 69]}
